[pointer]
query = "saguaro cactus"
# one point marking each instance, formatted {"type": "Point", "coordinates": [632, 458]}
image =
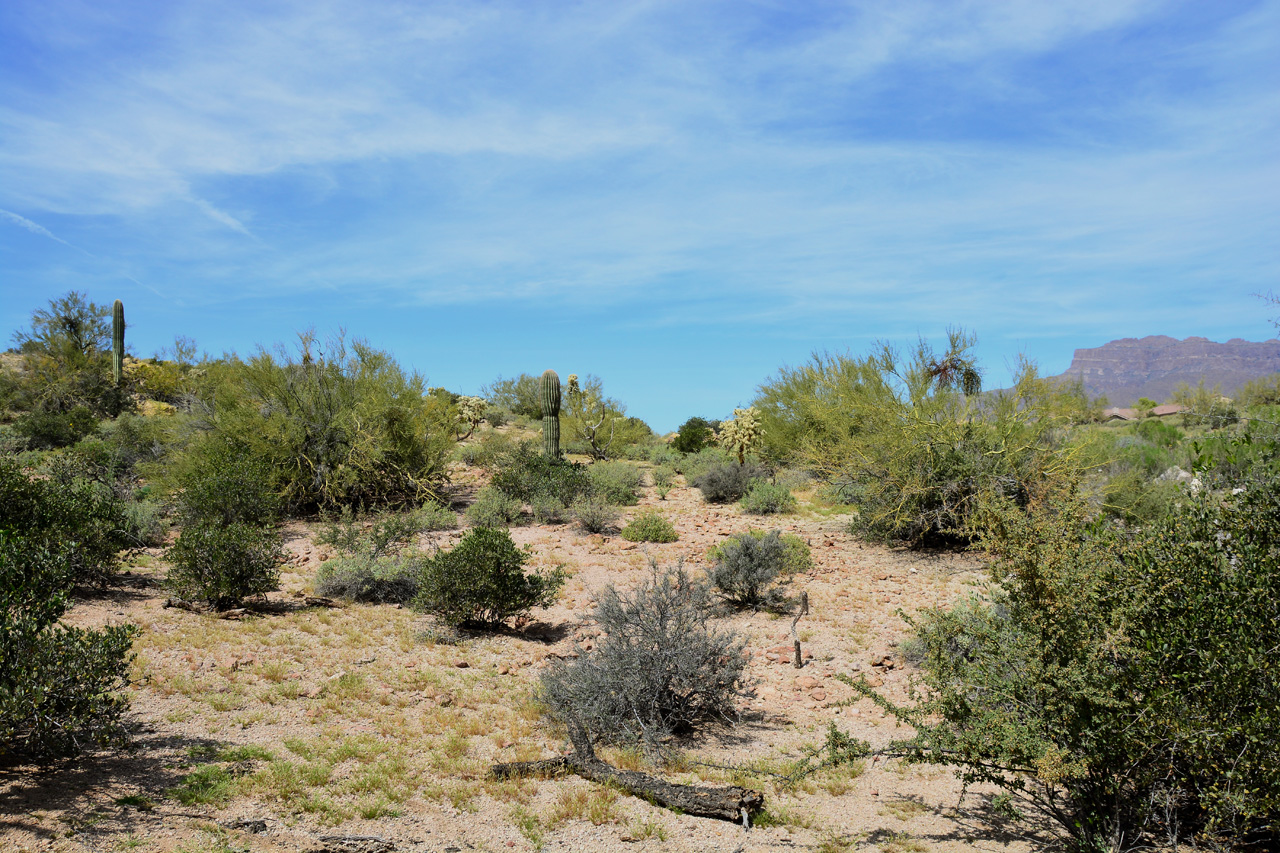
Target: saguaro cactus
{"type": "Point", "coordinates": [551, 414]}
{"type": "Point", "coordinates": [117, 341]}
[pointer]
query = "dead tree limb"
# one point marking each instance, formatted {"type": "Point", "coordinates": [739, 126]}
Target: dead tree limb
{"type": "Point", "coordinates": [732, 803]}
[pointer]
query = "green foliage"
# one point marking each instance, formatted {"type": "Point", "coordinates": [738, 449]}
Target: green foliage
{"type": "Point", "coordinates": [1205, 406]}
{"type": "Point", "coordinates": [519, 396]}
{"type": "Point", "coordinates": [341, 426]}
{"type": "Point", "coordinates": [493, 508]}
{"type": "Point", "coordinates": [47, 430]}
{"type": "Point", "coordinates": [726, 482]}
{"type": "Point", "coordinates": [1263, 391]}
{"type": "Point", "coordinates": [80, 520]}
{"type": "Point", "coordinates": [222, 484]}
{"type": "Point", "coordinates": [649, 526]}
{"type": "Point", "coordinates": [385, 535]}
{"type": "Point", "coordinates": [546, 509]}
{"type": "Point", "coordinates": [66, 366]}
{"type": "Point", "coordinates": [482, 581]}
{"type": "Point", "coordinates": [695, 434]}
{"type": "Point", "coordinates": [1123, 681]}
{"type": "Point", "coordinates": [617, 482]}
{"type": "Point", "coordinates": [659, 667]}
{"type": "Point", "coordinates": [766, 498]}
{"type": "Point", "coordinates": [368, 579]}
{"type": "Point", "coordinates": [796, 556]}
{"type": "Point", "coordinates": [746, 565]}
{"type": "Point", "coordinates": [224, 563]}
{"type": "Point", "coordinates": [60, 688]}
{"type": "Point", "coordinates": [594, 514]}
{"type": "Point", "coordinates": [899, 438]}
{"type": "Point", "coordinates": [598, 424]}
{"type": "Point", "coordinates": [1159, 433]}
{"type": "Point", "coordinates": [663, 475]}
{"type": "Point", "coordinates": [524, 472]}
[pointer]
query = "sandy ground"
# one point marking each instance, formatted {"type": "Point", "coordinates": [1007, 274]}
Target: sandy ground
{"type": "Point", "coordinates": [371, 735]}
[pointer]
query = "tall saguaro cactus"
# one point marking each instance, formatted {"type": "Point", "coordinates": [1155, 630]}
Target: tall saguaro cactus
{"type": "Point", "coordinates": [551, 414]}
{"type": "Point", "coordinates": [117, 341]}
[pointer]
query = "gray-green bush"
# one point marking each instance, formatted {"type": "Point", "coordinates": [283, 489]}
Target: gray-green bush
{"type": "Point", "coordinates": [746, 567]}
{"type": "Point", "coordinates": [493, 508]}
{"type": "Point", "coordinates": [659, 667]}
{"type": "Point", "coordinates": [765, 498]}
{"type": "Point", "coordinates": [617, 482]}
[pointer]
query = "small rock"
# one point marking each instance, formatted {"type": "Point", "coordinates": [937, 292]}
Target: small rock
{"type": "Point", "coordinates": [461, 664]}
{"type": "Point", "coordinates": [807, 682]}
{"type": "Point", "coordinates": [819, 695]}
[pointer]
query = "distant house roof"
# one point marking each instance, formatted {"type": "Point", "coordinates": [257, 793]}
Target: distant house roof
{"type": "Point", "coordinates": [1168, 409]}
{"type": "Point", "coordinates": [1115, 413]}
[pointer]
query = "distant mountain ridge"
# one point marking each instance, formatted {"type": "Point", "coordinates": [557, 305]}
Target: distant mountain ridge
{"type": "Point", "coordinates": [1153, 366]}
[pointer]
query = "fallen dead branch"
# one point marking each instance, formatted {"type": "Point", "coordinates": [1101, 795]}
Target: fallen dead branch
{"type": "Point", "coordinates": [732, 803]}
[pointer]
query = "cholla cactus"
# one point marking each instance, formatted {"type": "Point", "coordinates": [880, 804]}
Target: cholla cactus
{"type": "Point", "coordinates": [741, 433]}
{"type": "Point", "coordinates": [573, 387]}
{"type": "Point", "coordinates": [471, 413]}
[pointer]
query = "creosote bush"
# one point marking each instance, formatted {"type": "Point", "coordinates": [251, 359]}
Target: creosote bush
{"type": "Point", "coordinates": [660, 666]}
{"type": "Point", "coordinates": [224, 564]}
{"type": "Point", "coordinates": [482, 581]}
{"type": "Point", "coordinates": [650, 526]}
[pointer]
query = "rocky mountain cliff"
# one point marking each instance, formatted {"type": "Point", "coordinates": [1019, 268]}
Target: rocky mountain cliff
{"type": "Point", "coordinates": [1152, 367]}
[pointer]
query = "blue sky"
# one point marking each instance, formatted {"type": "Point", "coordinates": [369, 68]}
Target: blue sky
{"type": "Point", "coordinates": [680, 197]}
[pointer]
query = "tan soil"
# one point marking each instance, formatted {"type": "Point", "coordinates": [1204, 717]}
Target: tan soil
{"type": "Point", "coordinates": [275, 674]}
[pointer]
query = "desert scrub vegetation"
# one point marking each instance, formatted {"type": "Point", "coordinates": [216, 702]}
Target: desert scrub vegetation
{"type": "Point", "coordinates": [660, 666]}
{"type": "Point", "coordinates": [910, 443]}
{"type": "Point", "coordinates": [60, 687]}
{"type": "Point", "coordinates": [617, 482]}
{"type": "Point", "coordinates": [766, 498]}
{"type": "Point", "coordinates": [650, 526]}
{"type": "Point", "coordinates": [377, 565]}
{"type": "Point", "coordinates": [746, 566]}
{"type": "Point", "coordinates": [1118, 678]}
{"type": "Point", "coordinates": [338, 423]}
{"type": "Point", "coordinates": [594, 514]}
{"type": "Point", "coordinates": [493, 508]}
{"type": "Point", "coordinates": [482, 581]}
{"type": "Point", "coordinates": [524, 472]}
{"type": "Point", "coordinates": [726, 482]}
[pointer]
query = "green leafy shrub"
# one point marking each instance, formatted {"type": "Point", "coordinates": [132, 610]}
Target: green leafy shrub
{"type": "Point", "coordinates": [910, 441]}
{"type": "Point", "coordinates": [224, 564]}
{"type": "Point", "coordinates": [145, 523]}
{"type": "Point", "coordinates": [482, 580]}
{"type": "Point", "coordinates": [525, 471]}
{"type": "Point", "coordinates": [659, 667]}
{"type": "Point", "coordinates": [337, 424]}
{"type": "Point", "coordinates": [519, 396]}
{"type": "Point", "coordinates": [63, 511]}
{"type": "Point", "coordinates": [493, 508]}
{"type": "Point", "coordinates": [663, 476]}
{"type": "Point", "coordinates": [60, 688]}
{"type": "Point", "coordinates": [1159, 433]}
{"type": "Point", "coordinates": [617, 482]}
{"type": "Point", "coordinates": [746, 567]}
{"type": "Point", "coordinates": [594, 514]}
{"type": "Point", "coordinates": [369, 580]}
{"type": "Point", "coordinates": [726, 482]}
{"type": "Point", "coordinates": [47, 430]}
{"type": "Point", "coordinates": [649, 526]}
{"type": "Point", "coordinates": [389, 534]}
{"type": "Point", "coordinates": [486, 451]}
{"type": "Point", "coordinates": [694, 435]}
{"type": "Point", "coordinates": [220, 483]}
{"type": "Point", "coordinates": [765, 498]}
{"type": "Point", "coordinates": [1123, 681]}
{"type": "Point", "coordinates": [796, 555]}
{"type": "Point", "coordinates": [547, 509]}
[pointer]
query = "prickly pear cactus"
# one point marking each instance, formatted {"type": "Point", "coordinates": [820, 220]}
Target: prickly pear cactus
{"type": "Point", "coordinates": [551, 413]}
{"type": "Point", "coordinates": [117, 341]}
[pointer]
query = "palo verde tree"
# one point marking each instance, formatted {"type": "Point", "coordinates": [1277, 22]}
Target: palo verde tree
{"type": "Point", "coordinates": [909, 441]}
